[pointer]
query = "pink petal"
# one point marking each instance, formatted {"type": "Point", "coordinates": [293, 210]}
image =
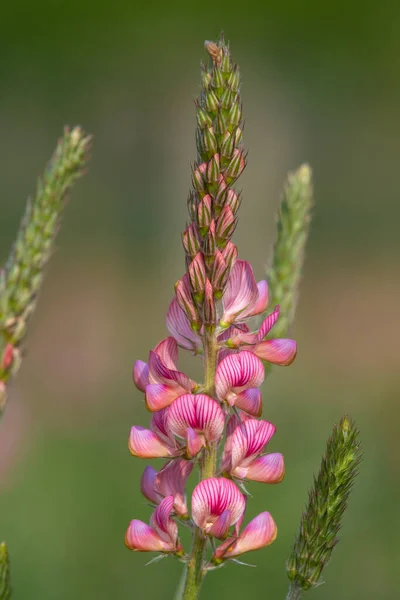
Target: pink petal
{"type": "Point", "coordinates": [211, 497]}
{"type": "Point", "coordinates": [142, 538]}
{"type": "Point", "coordinates": [249, 440]}
{"type": "Point", "coordinates": [159, 395]}
{"type": "Point", "coordinates": [268, 324]}
{"type": "Point", "coordinates": [179, 327]}
{"type": "Point", "coordinates": [171, 480]}
{"type": "Point", "coordinates": [160, 373]}
{"type": "Point", "coordinates": [237, 372]}
{"type": "Point", "coordinates": [198, 412]}
{"type": "Point", "coordinates": [241, 293]}
{"type": "Point", "coordinates": [194, 443]}
{"type": "Point", "coordinates": [260, 532]}
{"type": "Point", "coordinates": [250, 401]}
{"type": "Point", "coordinates": [265, 469]}
{"type": "Point", "coordinates": [278, 351]}
{"type": "Point", "coordinates": [146, 444]}
{"type": "Point", "coordinates": [141, 375]}
{"type": "Point", "coordinates": [167, 350]}
{"type": "Point", "coordinates": [262, 300]}
{"type": "Point", "coordinates": [226, 462]}
{"type": "Point", "coordinates": [221, 526]}
{"type": "Point", "coordinates": [162, 523]}
{"type": "Point", "coordinates": [147, 485]}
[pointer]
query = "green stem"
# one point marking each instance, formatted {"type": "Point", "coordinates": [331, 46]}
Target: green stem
{"type": "Point", "coordinates": [295, 592]}
{"type": "Point", "coordinates": [194, 569]}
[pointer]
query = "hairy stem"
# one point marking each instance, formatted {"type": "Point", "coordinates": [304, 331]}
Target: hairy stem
{"type": "Point", "coordinates": [295, 592]}
{"type": "Point", "coordinates": [194, 570]}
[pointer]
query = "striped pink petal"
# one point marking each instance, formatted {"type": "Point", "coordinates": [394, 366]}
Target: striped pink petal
{"type": "Point", "coordinates": [220, 527]}
{"type": "Point", "coordinates": [140, 537]}
{"type": "Point", "coordinates": [159, 372]}
{"type": "Point", "coordinates": [179, 327]}
{"type": "Point", "coordinates": [236, 373]}
{"type": "Point", "coordinates": [211, 497]}
{"type": "Point", "coordinates": [262, 301]}
{"type": "Point", "coordinates": [241, 293]}
{"type": "Point", "coordinates": [194, 443]}
{"type": "Point", "coordinates": [160, 395]}
{"type": "Point", "coordinates": [278, 351]}
{"type": "Point", "coordinates": [249, 440]}
{"type": "Point", "coordinates": [198, 412]}
{"type": "Point", "coordinates": [171, 480]}
{"type": "Point", "coordinates": [265, 469]}
{"type": "Point", "coordinates": [162, 523]}
{"type": "Point", "coordinates": [268, 324]}
{"type": "Point", "coordinates": [158, 424]}
{"type": "Point", "coordinates": [141, 375]}
{"type": "Point", "coordinates": [260, 532]}
{"type": "Point", "coordinates": [146, 444]}
{"type": "Point", "coordinates": [167, 350]}
{"type": "Point", "coordinates": [250, 401]}
{"type": "Point", "coordinates": [147, 485]}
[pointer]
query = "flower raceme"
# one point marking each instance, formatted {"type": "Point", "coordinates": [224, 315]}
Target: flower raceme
{"type": "Point", "coordinates": [210, 316]}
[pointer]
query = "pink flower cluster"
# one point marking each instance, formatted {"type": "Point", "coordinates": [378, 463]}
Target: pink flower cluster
{"type": "Point", "coordinates": [186, 421]}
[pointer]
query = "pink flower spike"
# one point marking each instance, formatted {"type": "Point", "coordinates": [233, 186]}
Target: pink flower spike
{"type": "Point", "coordinates": [141, 375]}
{"type": "Point", "coordinates": [211, 498]}
{"type": "Point", "coordinates": [241, 294]}
{"type": "Point", "coordinates": [278, 352]}
{"type": "Point", "coordinates": [265, 469]}
{"type": "Point", "coordinates": [179, 327]}
{"type": "Point", "coordinates": [146, 444]}
{"type": "Point", "coordinates": [260, 532]}
{"type": "Point", "coordinates": [140, 537]}
{"type": "Point", "coordinates": [147, 485]}
{"type": "Point", "coordinates": [198, 412]}
{"type": "Point", "coordinates": [237, 373]}
{"type": "Point", "coordinates": [171, 480]}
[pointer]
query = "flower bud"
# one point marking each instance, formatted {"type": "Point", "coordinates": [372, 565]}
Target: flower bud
{"type": "Point", "coordinates": [197, 275]}
{"type": "Point", "coordinates": [213, 169]}
{"type": "Point", "coordinates": [226, 224]}
{"type": "Point", "coordinates": [210, 312]}
{"type": "Point", "coordinates": [232, 200]}
{"type": "Point", "coordinates": [235, 114]}
{"type": "Point", "coordinates": [235, 167]}
{"type": "Point", "coordinates": [234, 80]}
{"type": "Point", "coordinates": [210, 245]}
{"type": "Point", "coordinates": [209, 141]}
{"type": "Point", "coordinates": [218, 79]}
{"type": "Point", "coordinates": [185, 301]}
{"type": "Point", "coordinates": [203, 118]}
{"type": "Point", "coordinates": [226, 99]}
{"type": "Point", "coordinates": [198, 178]}
{"type": "Point", "coordinates": [230, 253]}
{"type": "Point", "coordinates": [211, 101]}
{"type": "Point", "coordinates": [228, 145]}
{"type": "Point", "coordinates": [204, 214]}
{"type": "Point", "coordinates": [220, 274]}
{"type": "Point", "coordinates": [191, 241]}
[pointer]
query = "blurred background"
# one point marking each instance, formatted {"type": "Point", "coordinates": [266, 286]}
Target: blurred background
{"type": "Point", "coordinates": [321, 83]}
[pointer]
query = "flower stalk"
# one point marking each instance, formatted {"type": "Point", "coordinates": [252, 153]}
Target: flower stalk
{"type": "Point", "coordinates": [5, 585]}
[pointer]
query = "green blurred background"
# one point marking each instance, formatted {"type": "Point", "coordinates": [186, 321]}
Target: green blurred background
{"type": "Point", "coordinates": [321, 83]}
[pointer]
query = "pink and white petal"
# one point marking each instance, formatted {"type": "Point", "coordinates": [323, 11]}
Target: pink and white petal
{"type": "Point", "coordinates": [250, 401]}
{"type": "Point", "coordinates": [198, 412]}
{"type": "Point", "coordinates": [147, 485]}
{"type": "Point", "coordinates": [249, 440]}
{"type": "Point", "coordinates": [194, 443]}
{"type": "Point", "coordinates": [214, 495]}
{"type": "Point", "coordinates": [220, 527]}
{"type": "Point", "coordinates": [260, 532]}
{"type": "Point", "coordinates": [226, 462]}
{"type": "Point", "coordinates": [160, 395]}
{"type": "Point", "coordinates": [140, 537]}
{"type": "Point", "coordinates": [268, 324]}
{"type": "Point", "coordinates": [179, 327]}
{"type": "Point", "coordinates": [237, 372]}
{"type": "Point", "coordinates": [146, 444]}
{"type": "Point", "coordinates": [262, 300]}
{"type": "Point", "coordinates": [265, 469]}
{"type": "Point", "coordinates": [160, 373]}
{"type": "Point", "coordinates": [167, 350]}
{"type": "Point", "coordinates": [240, 295]}
{"type": "Point", "coordinates": [171, 480]}
{"type": "Point", "coordinates": [278, 352]}
{"type": "Point", "coordinates": [140, 375]}
{"type": "Point", "coordinates": [158, 424]}
{"type": "Point", "coordinates": [162, 523]}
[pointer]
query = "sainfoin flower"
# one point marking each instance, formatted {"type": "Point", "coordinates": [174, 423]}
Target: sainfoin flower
{"type": "Point", "coordinates": [217, 504]}
{"type": "Point", "coordinates": [169, 481]}
{"type": "Point", "coordinates": [246, 441]}
{"type": "Point", "coordinates": [160, 379]}
{"type": "Point", "coordinates": [237, 379]}
{"type": "Point", "coordinates": [160, 536]}
{"type": "Point", "coordinates": [260, 532]}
